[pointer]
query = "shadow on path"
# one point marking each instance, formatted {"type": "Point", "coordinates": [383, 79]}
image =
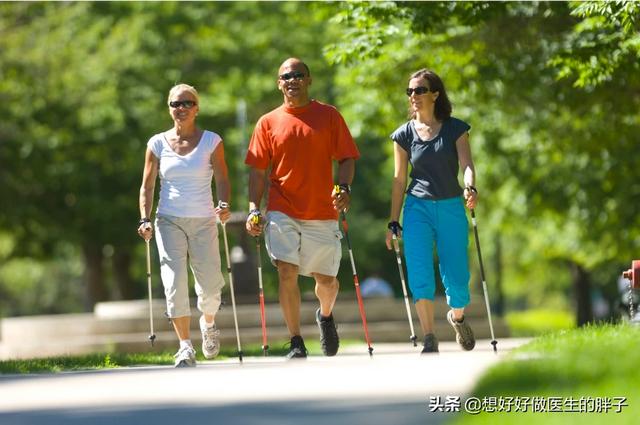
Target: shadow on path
{"type": "Point", "coordinates": [307, 412]}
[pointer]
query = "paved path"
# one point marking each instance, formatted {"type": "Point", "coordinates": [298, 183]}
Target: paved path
{"type": "Point", "coordinates": [392, 387]}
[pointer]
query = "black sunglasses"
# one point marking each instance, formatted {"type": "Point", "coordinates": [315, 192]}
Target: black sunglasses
{"type": "Point", "coordinates": [187, 104]}
{"type": "Point", "coordinates": [418, 90]}
{"type": "Point", "coordinates": [289, 75]}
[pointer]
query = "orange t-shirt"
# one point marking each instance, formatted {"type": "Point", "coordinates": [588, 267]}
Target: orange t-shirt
{"type": "Point", "coordinates": [300, 145]}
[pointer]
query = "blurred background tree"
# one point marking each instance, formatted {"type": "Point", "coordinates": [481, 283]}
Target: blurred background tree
{"type": "Point", "coordinates": [551, 90]}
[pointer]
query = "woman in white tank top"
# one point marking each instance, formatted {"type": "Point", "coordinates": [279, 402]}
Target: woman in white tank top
{"type": "Point", "coordinates": [187, 159]}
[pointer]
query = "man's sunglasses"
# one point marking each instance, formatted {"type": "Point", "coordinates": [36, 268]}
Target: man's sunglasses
{"type": "Point", "coordinates": [418, 90]}
{"type": "Point", "coordinates": [187, 104]}
{"type": "Point", "coordinates": [289, 75]}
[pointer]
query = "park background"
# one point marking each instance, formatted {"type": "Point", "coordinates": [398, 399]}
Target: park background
{"type": "Point", "coordinates": [551, 90]}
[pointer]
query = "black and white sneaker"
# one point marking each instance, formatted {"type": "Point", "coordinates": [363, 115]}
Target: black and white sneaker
{"type": "Point", "coordinates": [464, 334]}
{"type": "Point", "coordinates": [329, 340]}
{"type": "Point", "coordinates": [298, 350]}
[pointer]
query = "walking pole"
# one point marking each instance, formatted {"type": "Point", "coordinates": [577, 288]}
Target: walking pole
{"type": "Point", "coordinates": [396, 247]}
{"type": "Point", "coordinates": [152, 336]}
{"type": "Point", "coordinates": [356, 283]}
{"type": "Point", "coordinates": [484, 282]}
{"type": "Point", "coordinates": [233, 297]}
{"type": "Point", "coordinates": [263, 321]}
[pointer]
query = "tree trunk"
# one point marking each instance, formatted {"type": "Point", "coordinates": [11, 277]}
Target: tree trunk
{"type": "Point", "coordinates": [582, 288]}
{"type": "Point", "coordinates": [122, 274]}
{"type": "Point", "coordinates": [94, 276]}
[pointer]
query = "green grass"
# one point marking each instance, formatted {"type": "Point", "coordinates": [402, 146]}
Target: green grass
{"type": "Point", "coordinates": [596, 361]}
{"type": "Point", "coordinates": [539, 322]}
{"type": "Point", "coordinates": [114, 360]}
{"type": "Point", "coordinates": [85, 362]}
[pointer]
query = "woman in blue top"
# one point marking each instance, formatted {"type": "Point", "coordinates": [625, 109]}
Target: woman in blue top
{"type": "Point", "coordinates": [437, 146]}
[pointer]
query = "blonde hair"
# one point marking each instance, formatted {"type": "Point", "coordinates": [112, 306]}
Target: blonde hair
{"type": "Point", "coordinates": [179, 88]}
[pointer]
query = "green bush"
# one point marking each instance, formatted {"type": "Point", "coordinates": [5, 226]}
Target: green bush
{"type": "Point", "coordinates": [539, 322]}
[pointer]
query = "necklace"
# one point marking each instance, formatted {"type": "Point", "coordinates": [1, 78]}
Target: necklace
{"type": "Point", "coordinates": [420, 125]}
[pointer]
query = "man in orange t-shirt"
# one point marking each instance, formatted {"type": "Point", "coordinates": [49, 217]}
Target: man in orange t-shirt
{"type": "Point", "coordinates": [299, 141]}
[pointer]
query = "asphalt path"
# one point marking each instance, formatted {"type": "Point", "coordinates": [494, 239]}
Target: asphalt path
{"type": "Point", "coordinates": [395, 386]}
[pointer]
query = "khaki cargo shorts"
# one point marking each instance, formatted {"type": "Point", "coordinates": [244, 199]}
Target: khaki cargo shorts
{"type": "Point", "coordinates": [312, 245]}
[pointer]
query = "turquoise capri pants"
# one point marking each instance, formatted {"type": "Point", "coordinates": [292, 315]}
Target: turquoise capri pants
{"type": "Point", "coordinates": [445, 223]}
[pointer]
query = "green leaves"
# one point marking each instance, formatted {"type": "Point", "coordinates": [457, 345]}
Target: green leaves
{"type": "Point", "coordinates": [366, 27]}
{"type": "Point", "coordinates": [605, 42]}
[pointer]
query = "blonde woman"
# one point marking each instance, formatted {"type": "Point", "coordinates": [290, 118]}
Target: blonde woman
{"type": "Point", "coordinates": [187, 158]}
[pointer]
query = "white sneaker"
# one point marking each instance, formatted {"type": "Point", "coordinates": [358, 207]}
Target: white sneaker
{"type": "Point", "coordinates": [185, 357]}
{"type": "Point", "coordinates": [210, 339]}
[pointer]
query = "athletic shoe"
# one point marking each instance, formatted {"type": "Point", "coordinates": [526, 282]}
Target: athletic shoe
{"type": "Point", "coordinates": [329, 340]}
{"type": "Point", "coordinates": [464, 334]}
{"type": "Point", "coordinates": [298, 350]}
{"type": "Point", "coordinates": [210, 339]}
{"type": "Point", "coordinates": [430, 344]}
{"type": "Point", "coordinates": [185, 357]}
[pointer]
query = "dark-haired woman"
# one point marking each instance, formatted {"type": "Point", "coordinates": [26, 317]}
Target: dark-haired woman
{"type": "Point", "coordinates": [437, 147]}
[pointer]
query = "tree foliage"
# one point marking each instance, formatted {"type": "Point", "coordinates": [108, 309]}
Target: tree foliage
{"type": "Point", "coordinates": [604, 45]}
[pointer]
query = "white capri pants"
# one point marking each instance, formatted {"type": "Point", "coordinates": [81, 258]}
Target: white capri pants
{"type": "Point", "coordinates": [192, 239]}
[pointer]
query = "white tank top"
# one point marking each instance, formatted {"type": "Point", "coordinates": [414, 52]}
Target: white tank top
{"type": "Point", "coordinates": [185, 180]}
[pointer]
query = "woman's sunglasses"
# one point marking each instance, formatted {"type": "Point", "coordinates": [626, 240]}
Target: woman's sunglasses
{"type": "Point", "coordinates": [418, 90]}
{"type": "Point", "coordinates": [187, 104]}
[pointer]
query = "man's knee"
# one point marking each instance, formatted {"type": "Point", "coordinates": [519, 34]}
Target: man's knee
{"type": "Point", "coordinates": [324, 280]}
{"type": "Point", "coordinates": [287, 271]}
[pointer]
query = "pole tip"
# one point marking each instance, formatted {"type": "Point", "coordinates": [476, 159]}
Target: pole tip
{"type": "Point", "coordinates": [370, 351]}
{"type": "Point", "coordinates": [413, 339]}
{"type": "Point", "coordinates": [495, 346]}
{"type": "Point", "coordinates": [152, 338]}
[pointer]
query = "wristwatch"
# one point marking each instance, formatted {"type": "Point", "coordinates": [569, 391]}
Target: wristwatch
{"type": "Point", "coordinates": [345, 187]}
{"type": "Point", "coordinates": [255, 216]}
{"type": "Point", "coordinates": [394, 226]}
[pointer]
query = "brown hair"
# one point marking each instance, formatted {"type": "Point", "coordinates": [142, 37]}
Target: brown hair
{"type": "Point", "coordinates": [443, 105]}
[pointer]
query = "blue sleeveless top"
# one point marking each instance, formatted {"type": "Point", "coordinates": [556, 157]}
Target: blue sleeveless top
{"type": "Point", "coordinates": [434, 163]}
